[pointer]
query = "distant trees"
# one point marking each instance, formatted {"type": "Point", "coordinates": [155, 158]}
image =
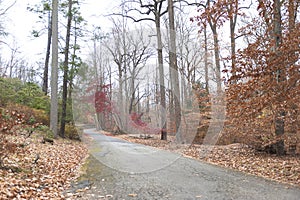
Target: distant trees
{"type": "Point", "coordinates": [130, 50]}
{"type": "Point", "coordinates": [152, 12]}
{"type": "Point", "coordinates": [6, 66]}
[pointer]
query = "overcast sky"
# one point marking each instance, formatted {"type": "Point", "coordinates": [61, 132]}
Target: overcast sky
{"type": "Point", "coordinates": [20, 22]}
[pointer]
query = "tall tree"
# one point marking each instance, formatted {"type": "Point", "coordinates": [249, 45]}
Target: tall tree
{"type": "Point", "coordinates": [66, 69]}
{"type": "Point", "coordinates": [206, 59]}
{"type": "Point", "coordinates": [280, 73]}
{"type": "Point", "coordinates": [190, 56]}
{"type": "Point", "coordinates": [54, 70]}
{"type": "Point", "coordinates": [233, 9]}
{"type": "Point", "coordinates": [75, 60]}
{"type": "Point", "coordinates": [213, 14]}
{"type": "Point", "coordinates": [47, 58]}
{"type": "Point", "coordinates": [118, 49]}
{"type": "Point", "coordinates": [174, 68]}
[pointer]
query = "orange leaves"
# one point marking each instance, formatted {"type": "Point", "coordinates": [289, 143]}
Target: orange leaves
{"type": "Point", "coordinates": [47, 178]}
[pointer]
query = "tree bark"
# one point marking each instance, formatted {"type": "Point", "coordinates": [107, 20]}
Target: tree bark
{"type": "Point", "coordinates": [217, 58]}
{"type": "Point", "coordinates": [54, 70]}
{"type": "Point", "coordinates": [47, 59]}
{"type": "Point", "coordinates": [206, 60]}
{"type": "Point", "coordinates": [161, 79]}
{"type": "Point", "coordinates": [174, 71]}
{"type": "Point", "coordinates": [232, 22]}
{"type": "Point", "coordinates": [280, 76]}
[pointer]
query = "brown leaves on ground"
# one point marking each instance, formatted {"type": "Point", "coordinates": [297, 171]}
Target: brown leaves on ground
{"type": "Point", "coordinates": [285, 169]}
{"type": "Point", "coordinates": [44, 171]}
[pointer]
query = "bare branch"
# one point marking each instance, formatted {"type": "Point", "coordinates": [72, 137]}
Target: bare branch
{"type": "Point", "coordinates": [132, 18]}
{"type": "Point", "coordinates": [192, 4]}
{"type": "Point", "coordinates": [9, 7]}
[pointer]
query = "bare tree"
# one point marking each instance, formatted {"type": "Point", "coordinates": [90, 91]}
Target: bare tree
{"type": "Point", "coordinates": [174, 68]}
{"type": "Point", "coordinates": [157, 9]}
{"type": "Point", "coordinates": [138, 53]}
{"type": "Point", "coordinates": [190, 55]}
{"type": "Point", "coordinates": [118, 49]}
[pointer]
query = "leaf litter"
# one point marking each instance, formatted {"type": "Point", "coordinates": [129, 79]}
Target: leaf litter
{"type": "Point", "coordinates": [45, 170]}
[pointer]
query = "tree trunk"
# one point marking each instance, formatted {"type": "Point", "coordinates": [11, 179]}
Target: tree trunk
{"type": "Point", "coordinates": [280, 76]}
{"type": "Point", "coordinates": [292, 15]}
{"type": "Point", "coordinates": [66, 71]}
{"type": "Point", "coordinates": [206, 60]}
{"type": "Point", "coordinates": [54, 70]}
{"type": "Point", "coordinates": [120, 95]}
{"type": "Point", "coordinates": [232, 22]}
{"type": "Point", "coordinates": [132, 91]}
{"type": "Point", "coordinates": [217, 58]}
{"type": "Point", "coordinates": [232, 10]}
{"type": "Point", "coordinates": [161, 80]}
{"type": "Point", "coordinates": [47, 59]}
{"type": "Point", "coordinates": [174, 71]}
{"type": "Point", "coordinates": [73, 66]}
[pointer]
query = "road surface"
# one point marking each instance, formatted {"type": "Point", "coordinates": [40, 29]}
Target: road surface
{"type": "Point", "coordinates": [122, 170]}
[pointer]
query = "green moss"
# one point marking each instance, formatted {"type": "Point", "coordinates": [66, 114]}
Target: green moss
{"type": "Point", "coordinates": [91, 169]}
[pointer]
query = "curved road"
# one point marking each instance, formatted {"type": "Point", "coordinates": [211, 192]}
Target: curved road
{"type": "Point", "coordinates": [122, 170]}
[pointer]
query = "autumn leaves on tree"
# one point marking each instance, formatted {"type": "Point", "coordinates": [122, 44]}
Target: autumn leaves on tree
{"type": "Point", "coordinates": [263, 105]}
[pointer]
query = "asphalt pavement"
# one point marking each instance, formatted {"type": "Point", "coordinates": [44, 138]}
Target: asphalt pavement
{"type": "Point", "coordinates": [120, 170]}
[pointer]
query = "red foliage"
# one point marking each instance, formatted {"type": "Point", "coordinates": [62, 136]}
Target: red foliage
{"type": "Point", "coordinates": [102, 101]}
{"type": "Point", "coordinates": [136, 118]}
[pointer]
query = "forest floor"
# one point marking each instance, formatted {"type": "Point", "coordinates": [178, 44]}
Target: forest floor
{"type": "Point", "coordinates": [41, 170]}
{"type": "Point", "coordinates": [284, 169]}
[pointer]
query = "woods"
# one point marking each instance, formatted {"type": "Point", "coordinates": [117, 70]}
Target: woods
{"type": "Point", "coordinates": [157, 67]}
{"type": "Point", "coordinates": [193, 72]}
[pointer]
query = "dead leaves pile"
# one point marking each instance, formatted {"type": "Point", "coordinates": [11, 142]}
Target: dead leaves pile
{"type": "Point", "coordinates": [284, 169]}
{"type": "Point", "coordinates": [44, 170]}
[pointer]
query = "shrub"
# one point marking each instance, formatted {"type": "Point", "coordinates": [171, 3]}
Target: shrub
{"type": "Point", "coordinates": [72, 132]}
{"type": "Point", "coordinates": [29, 94]}
{"type": "Point", "coordinates": [31, 116]}
{"type": "Point", "coordinates": [45, 131]}
{"type": "Point", "coordinates": [8, 88]}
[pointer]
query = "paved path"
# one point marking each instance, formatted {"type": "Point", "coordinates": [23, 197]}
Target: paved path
{"type": "Point", "coordinates": [122, 170]}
